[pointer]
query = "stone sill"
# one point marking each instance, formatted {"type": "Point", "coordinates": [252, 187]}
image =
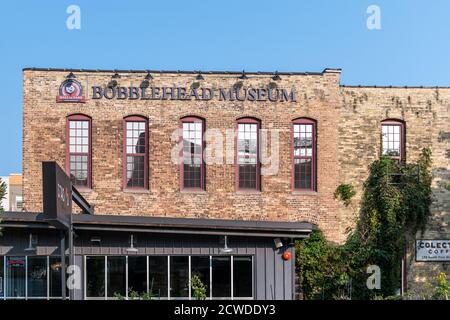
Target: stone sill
{"type": "Point", "coordinates": [193, 191]}
{"type": "Point", "coordinates": [137, 191]}
{"type": "Point", "coordinates": [249, 192]}
{"type": "Point", "coordinates": [305, 193]}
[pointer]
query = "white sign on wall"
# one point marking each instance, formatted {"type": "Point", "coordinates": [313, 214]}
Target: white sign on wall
{"type": "Point", "coordinates": [432, 250]}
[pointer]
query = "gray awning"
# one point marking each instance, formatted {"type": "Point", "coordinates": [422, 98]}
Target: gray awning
{"type": "Point", "coordinates": [126, 223]}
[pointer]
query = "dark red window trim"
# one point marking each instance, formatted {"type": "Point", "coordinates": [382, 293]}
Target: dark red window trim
{"type": "Point", "coordinates": [312, 122]}
{"type": "Point", "coordinates": [248, 120]}
{"type": "Point", "coordinates": [401, 124]}
{"type": "Point", "coordinates": [192, 119]}
{"type": "Point", "coordinates": [79, 117]}
{"type": "Point", "coordinates": [135, 118]}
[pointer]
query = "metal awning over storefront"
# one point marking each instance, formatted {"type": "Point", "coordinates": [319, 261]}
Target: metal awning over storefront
{"type": "Point", "coordinates": [127, 223]}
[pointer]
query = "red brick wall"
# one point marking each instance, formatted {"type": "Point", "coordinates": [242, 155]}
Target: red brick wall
{"type": "Point", "coordinates": [318, 98]}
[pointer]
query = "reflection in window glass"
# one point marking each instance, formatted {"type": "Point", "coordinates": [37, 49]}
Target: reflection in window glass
{"type": "Point", "coordinates": [157, 267]}
{"type": "Point", "coordinates": [221, 277]}
{"type": "Point", "coordinates": [15, 277]}
{"type": "Point", "coordinates": [200, 268]}
{"type": "Point", "coordinates": [392, 140]}
{"type": "Point", "coordinates": [192, 154]}
{"type": "Point", "coordinates": [79, 152]}
{"type": "Point", "coordinates": [136, 150]}
{"type": "Point", "coordinates": [116, 276]}
{"type": "Point", "coordinates": [55, 277]}
{"type": "Point", "coordinates": [137, 274]}
{"type": "Point", "coordinates": [37, 277]}
{"type": "Point", "coordinates": [95, 277]}
{"type": "Point", "coordinates": [303, 156]}
{"type": "Point", "coordinates": [1, 276]}
{"type": "Point", "coordinates": [248, 155]}
{"type": "Point", "coordinates": [179, 277]}
{"type": "Point", "coordinates": [242, 277]}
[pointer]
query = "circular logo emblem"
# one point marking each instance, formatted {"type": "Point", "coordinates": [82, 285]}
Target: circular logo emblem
{"type": "Point", "coordinates": [70, 88]}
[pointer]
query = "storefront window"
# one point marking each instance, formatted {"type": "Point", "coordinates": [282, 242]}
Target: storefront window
{"type": "Point", "coordinates": [2, 268]}
{"type": "Point", "coordinates": [137, 274]}
{"type": "Point", "coordinates": [242, 277]}
{"type": "Point", "coordinates": [221, 277]}
{"type": "Point", "coordinates": [179, 277]}
{"type": "Point", "coordinates": [15, 277]}
{"type": "Point", "coordinates": [37, 277]}
{"type": "Point", "coordinates": [116, 276]}
{"type": "Point", "coordinates": [157, 269]}
{"type": "Point", "coordinates": [95, 277]}
{"type": "Point", "coordinates": [200, 267]}
{"type": "Point", "coordinates": [55, 277]}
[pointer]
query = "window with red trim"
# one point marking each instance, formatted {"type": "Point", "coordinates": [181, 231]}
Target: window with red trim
{"type": "Point", "coordinates": [135, 152]}
{"type": "Point", "coordinates": [304, 154]}
{"type": "Point", "coordinates": [192, 167]}
{"type": "Point", "coordinates": [78, 157]}
{"type": "Point", "coordinates": [248, 166]}
{"type": "Point", "coordinates": [393, 139]}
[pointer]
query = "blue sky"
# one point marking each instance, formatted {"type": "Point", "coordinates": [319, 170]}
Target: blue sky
{"type": "Point", "coordinates": [412, 47]}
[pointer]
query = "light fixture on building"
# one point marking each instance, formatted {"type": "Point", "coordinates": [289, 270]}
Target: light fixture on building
{"type": "Point", "coordinates": [148, 77]}
{"type": "Point", "coordinates": [113, 82]}
{"type": "Point", "coordinates": [132, 248]}
{"type": "Point", "coordinates": [243, 76]}
{"type": "Point", "coordinates": [32, 242]}
{"type": "Point", "coordinates": [96, 241]}
{"type": "Point", "coordinates": [199, 77]}
{"type": "Point", "coordinates": [291, 242]}
{"type": "Point", "coordinates": [225, 248]}
{"type": "Point", "coordinates": [71, 76]}
{"type": "Point", "coordinates": [276, 76]}
{"type": "Point", "coordinates": [278, 243]}
{"type": "Point", "coordinates": [146, 82]}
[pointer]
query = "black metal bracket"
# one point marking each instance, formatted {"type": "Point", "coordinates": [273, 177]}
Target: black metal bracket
{"type": "Point", "coordinates": [82, 202]}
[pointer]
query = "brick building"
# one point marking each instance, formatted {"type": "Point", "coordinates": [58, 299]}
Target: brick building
{"type": "Point", "coordinates": [118, 135]}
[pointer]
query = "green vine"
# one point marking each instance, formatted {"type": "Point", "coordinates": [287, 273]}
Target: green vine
{"type": "Point", "coordinates": [395, 205]}
{"type": "Point", "coordinates": [345, 192]}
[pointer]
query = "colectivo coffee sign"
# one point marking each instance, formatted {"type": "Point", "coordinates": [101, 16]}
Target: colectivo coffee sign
{"type": "Point", "coordinates": [72, 91]}
{"type": "Point", "coordinates": [432, 250]}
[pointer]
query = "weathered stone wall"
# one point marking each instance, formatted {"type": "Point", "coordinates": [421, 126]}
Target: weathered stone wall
{"type": "Point", "coordinates": [426, 112]}
{"type": "Point", "coordinates": [318, 98]}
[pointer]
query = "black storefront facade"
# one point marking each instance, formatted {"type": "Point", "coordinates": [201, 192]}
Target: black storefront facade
{"type": "Point", "coordinates": [123, 257]}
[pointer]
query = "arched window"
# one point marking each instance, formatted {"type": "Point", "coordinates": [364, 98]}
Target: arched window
{"type": "Point", "coordinates": [79, 150]}
{"type": "Point", "coordinates": [135, 150]}
{"type": "Point", "coordinates": [304, 154]}
{"type": "Point", "coordinates": [247, 154]}
{"type": "Point", "coordinates": [192, 164]}
{"type": "Point", "coordinates": [393, 139]}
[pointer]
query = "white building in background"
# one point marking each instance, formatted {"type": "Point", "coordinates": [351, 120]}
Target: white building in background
{"type": "Point", "coordinates": [13, 197]}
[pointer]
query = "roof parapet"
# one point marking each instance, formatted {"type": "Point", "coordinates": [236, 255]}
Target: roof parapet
{"type": "Point", "coordinates": [332, 70]}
